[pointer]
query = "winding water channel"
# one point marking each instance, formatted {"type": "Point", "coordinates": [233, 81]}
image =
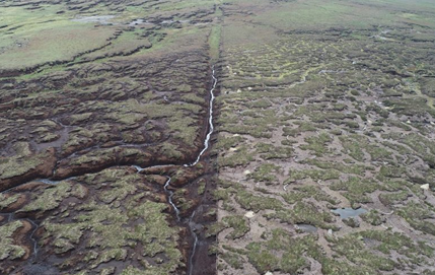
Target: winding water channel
{"type": "Point", "coordinates": [210, 119]}
{"type": "Point", "coordinates": [188, 222]}
{"type": "Point", "coordinates": [170, 194]}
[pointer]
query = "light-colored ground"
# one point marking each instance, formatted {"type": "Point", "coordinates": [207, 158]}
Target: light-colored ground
{"type": "Point", "coordinates": [317, 116]}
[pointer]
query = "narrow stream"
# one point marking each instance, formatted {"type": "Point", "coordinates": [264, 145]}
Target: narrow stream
{"type": "Point", "coordinates": [210, 119]}
{"type": "Point", "coordinates": [11, 217]}
{"type": "Point", "coordinates": [170, 195]}
{"type": "Point", "coordinates": [189, 222]}
{"type": "Point", "coordinates": [195, 242]}
{"type": "Point", "coordinates": [32, 238]}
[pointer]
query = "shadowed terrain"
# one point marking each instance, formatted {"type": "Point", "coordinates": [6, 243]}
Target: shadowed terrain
{"type": "Point", "coordinates": [101, 102]}
{"type": "Point", "coordinates": [322, 160]}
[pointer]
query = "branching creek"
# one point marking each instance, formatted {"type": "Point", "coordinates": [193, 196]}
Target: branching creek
{"type": "Point", "coordinates": [187, 222]}
{"type": "Point", "coordinates": [190, 221]}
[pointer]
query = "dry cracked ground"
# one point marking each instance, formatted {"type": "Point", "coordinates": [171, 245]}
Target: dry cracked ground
{"type": "Point", "coordinates": [322, 160]}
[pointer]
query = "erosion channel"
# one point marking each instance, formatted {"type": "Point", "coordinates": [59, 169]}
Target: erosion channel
{"type": "Point", "coordinates": [194, 222]}
{"type": "Point", "coordinates": [185, 186]}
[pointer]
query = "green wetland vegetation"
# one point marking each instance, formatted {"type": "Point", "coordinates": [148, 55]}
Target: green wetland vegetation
{"type": "Point", "coordinates": [322, 160]}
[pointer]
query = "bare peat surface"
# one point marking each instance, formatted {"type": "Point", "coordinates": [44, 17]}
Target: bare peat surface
{"type": "Point", "coordinates": [189, 196]}
{"type": "Point", "coordinates": [105, 134]}
{"type": "Point", "coordinates": [217, 137]}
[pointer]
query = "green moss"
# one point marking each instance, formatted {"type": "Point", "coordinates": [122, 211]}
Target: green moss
{"type": "Point", "coordinates": [78, 118]}
{"type": "Point", "coordinates": [240, 157]}
{"type": "Point", "coordinates": [353, 248]}
{"type": "Point", "coordinates": [332, 111]}
{"type": "Point", "coordinates": [303, 213]}
{"type": "Point", "coordinates": [50, 198]}
{"type": "Point", "coordinates": [239, 225]}
{"type": "Point", "coordinates": [355, 169]}
{"type": "Point", "coordinates": [352, 148]}
{"type": "Point", "coordinates": [184, 88]}
{"type": "Point", "coordinates": [225, 143]}
{"type": "Point", "coordinates": [305, 192]}
{"type": "Point", "coordinates": [233, 259]}
{"type": "Point", "coordinates": [356, 189]}
{"type": "Point", "coordinates": [8, 249]}
{"type": "Point", "coordinates": [108, 271]}
{"type": "Point", "coordinates": [214, 229]}
{"type": "Point", "coordinates": [111, 254]}
{"type": "Point", "coordinates": [390, 242]}
{"type": "Point", "coordinates": [352, 222]}
{"type": "Point", "coordinates": [256, 203]}
{"type": "Point", "coordinates": [303, 127]}
{"type": "Point", "coordinates": [390, 199]}
{"type": "Point", "coordinates": [23, 162]}
{"type": "Point", "coordinates": [184, 129]}
{"type": "Point", "coordinates": [378, 153]}
{"type": "Point", "coordinates": [79, 191]}
{"type": "Point", "coordinates": [266, 173]}
{"type": "Point", "coordinates": [122, 217]}
{"type": "Point", "coordinates": [53, 40]}
{"type": "Point", "coordinates": [214, 39]}
{"type": "Point", "coordinates": [333, 267]}
{"type": "Point", "coordinates": [193, 98]}
{"type": "Point", "coordinates": [221, 194]}
{"type": "Point", "coordinates": [373, 217]}
{"type": "Point", "coordinates": [264, 255]}
{"type": "Point", "coordinates": [258, 131]}
{"type": "Point", "coordinates": [391, 172]}
{"type": "Point", "coordinates": [262, 259]}
{"type": "Point", "coordinates": [420, 144]}
{"type": "Point", "coordinates": [201, 187]}
{"type": "Point", "coordinates": [315, 175]}
{"type": "Point", "coordinates": [150, 270]}
{"type": "Point", "coordinates": [6, 201]}
{"type": "Point", "coordinates": [269, 151]}
{"type": "Point", "coordinates": [416, 215]}
{"type": "Point", "coordinates": [119, 187]}
{"type": "Point", "coordinates": [180, 199]}
{"type": "Point", "coordinates": [261, 103]}
{"type": "Point", "coordinates": [317, 144]}
{"type": "Point", "coordinates": [171, 151]}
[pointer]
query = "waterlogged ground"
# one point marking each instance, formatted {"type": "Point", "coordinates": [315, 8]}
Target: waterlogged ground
{"type": "Point", "coordinates": [326, 145]}
{"type": "Point", "coordinates": [323, 162]}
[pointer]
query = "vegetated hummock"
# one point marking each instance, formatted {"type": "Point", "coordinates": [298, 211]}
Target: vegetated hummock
{"type": "Point", "coordinates": [325, 152]}
{"type": "Point", "coordinates": [101, 102]}
{"type": "Point", "coordinates": [326, 105]}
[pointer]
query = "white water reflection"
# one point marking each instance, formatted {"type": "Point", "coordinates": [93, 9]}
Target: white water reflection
{"type": "Point", "coordinates": [348, 212]}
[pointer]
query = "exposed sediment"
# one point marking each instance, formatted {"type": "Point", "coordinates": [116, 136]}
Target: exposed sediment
{"type": "Point", "coordinates": [73, 167]}
{"type": "Point", "coordinates": [196, 226]}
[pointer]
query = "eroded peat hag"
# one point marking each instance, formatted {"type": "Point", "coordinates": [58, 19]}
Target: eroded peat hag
{"type": "Point", "coordinates": [324, 139]}
{"type": "Point", "coordinates": [210, 126]}
{"type": "Point", "coordinates": [202, 260]}
{"type": "Point", "coordinates": [105, 136]}
{"type": "Point", "coordinates": [183, 189]}
{"type": "Point", "coordinates": [203, 208]}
